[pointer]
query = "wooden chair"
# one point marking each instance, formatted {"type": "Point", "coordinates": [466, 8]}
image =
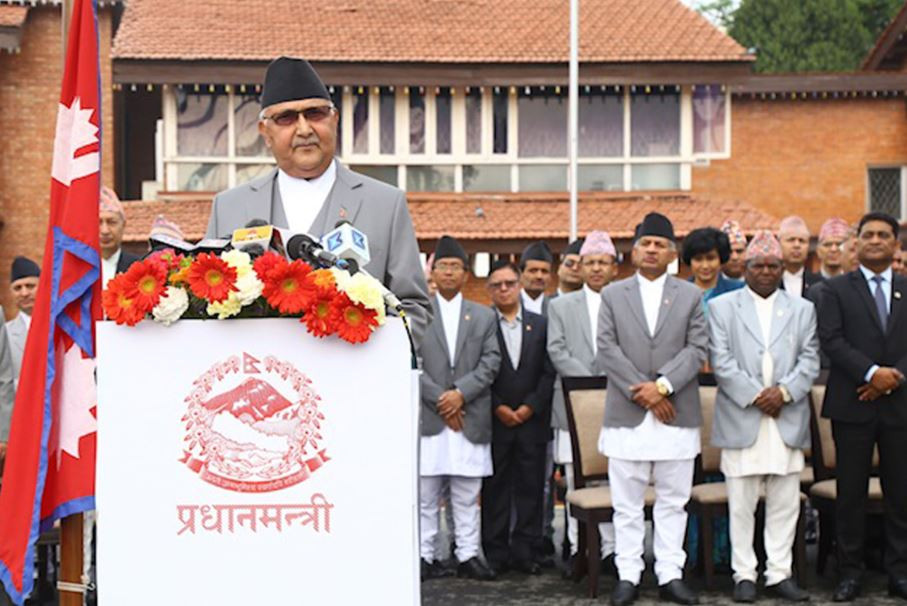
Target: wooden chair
{"type": "Point", "coordinates": [710, 501]}
{"type": "Point", "coordinates": [584, 400]}
{"type": "Point", "coordinates": [824, 492]}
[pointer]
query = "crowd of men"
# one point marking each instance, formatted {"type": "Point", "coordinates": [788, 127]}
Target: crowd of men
{"type": "Point", "coordinates": [494, 424]}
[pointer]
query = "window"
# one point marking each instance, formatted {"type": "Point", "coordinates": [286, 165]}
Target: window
{"type": "Point", "coordinates": [886, 191]}
{"type": "Point", "coordinates": [710, 117]}
{"type": "Point", "coordinates": [654, 123]}
{"type": "Point", "coordinates": [476, 139]}
{"type": "Point", "coordinates": [542, 123]}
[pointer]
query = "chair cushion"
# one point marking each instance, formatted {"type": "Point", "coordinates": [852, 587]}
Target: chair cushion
{"type": "Point", "coordinates": [828, 489]}
{"type": "Point", "coordinates": [599, 497]}
{"type": "Point", "coordinates": [714, 493]}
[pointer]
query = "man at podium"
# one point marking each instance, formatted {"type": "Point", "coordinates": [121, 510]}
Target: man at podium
{"type": "Point", "coordinates": [310, 191]}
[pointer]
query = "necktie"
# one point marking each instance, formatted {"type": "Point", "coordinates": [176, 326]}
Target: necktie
{"type": "Point", "coordinates": [881, 303]}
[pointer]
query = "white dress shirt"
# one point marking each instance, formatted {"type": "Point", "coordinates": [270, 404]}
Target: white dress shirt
{"type": "Point", "coordinates": [303, 198]}
{"type": "Point", "coordinates": [513, 336]}
{"type": "Point", "coordinates": [109, 267]}
{"type": "Point", "coordinates": [593, 305]}
{"type": "Point", "coordinates": [533, 305]}
{"type": "Point", "coordinates": [768, 454]}
{"type": "Point", "coordinates": [26, 319]}
{"type": "Point", "coordinates": [793, 283]}
{"type": "Point", "coordinates": [449, 453]}
{"type": "Point", "coordinates": [651, 440]}
{"type": "Point", "coordinates": [886, 290]}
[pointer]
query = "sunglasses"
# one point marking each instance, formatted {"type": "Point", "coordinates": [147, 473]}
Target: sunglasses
{"type": "Point", "coordinates": [311, 114]}
{"type": "Point", "coordinates": [503, 285]}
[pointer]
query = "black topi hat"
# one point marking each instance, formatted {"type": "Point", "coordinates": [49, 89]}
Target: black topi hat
{"type": "Point", "coordinates": [289, 79]}
{"type": "Point", "coordinates": [448, 247]}
{"type": "Point", "coordinates": [655, 224]}
{"type": "Point", "coordinates": [23, 267]}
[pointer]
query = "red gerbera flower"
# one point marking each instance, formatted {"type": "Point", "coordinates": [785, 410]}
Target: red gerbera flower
{"type": "Point", "coordinates": [266, 263]}
{"type": "Point", "coordinates": [117, 305]}
{"type": "Point", "coordinates": [319, 318]}
{"type": "Point", "coordinates": [145, 283]}
{"type": "Point", "coordinates": [210, 278]}
{"type": "Point", "coordinates": [286, 289]}
{"type": "Point", "coordinates": [322, 280]}
{"type": "Point", "coordinates": [354, 322]}
{"type": "Point", "coordinates": [168, 257]}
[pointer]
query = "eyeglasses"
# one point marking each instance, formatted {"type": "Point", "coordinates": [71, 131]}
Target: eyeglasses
{"type": "Point", "coordinates": [311, 114]}
{"type": "Point", "coordinates": [570, 263]}
{"type": "Point", "coordinates": [503, 285]}
{"type": "Point", "coordinates": [454, 267]}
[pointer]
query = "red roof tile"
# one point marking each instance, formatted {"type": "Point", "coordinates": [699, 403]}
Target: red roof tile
{"type": "Point", "coordinates": [12, 16]}
{"type": "Point", "coordinates": [480, 31]}
{"type": "Point", "coordinates": [499, 217]}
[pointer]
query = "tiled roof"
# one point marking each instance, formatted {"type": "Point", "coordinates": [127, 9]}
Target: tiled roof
{"type": "Point", "coordinates": [422, 31]}
{"type": "Point", "coordinates": [499, 217]}
{"type": "Point", "coordinates": [888, 51]}
{"type": "Point", "coordinates": [12, 16]}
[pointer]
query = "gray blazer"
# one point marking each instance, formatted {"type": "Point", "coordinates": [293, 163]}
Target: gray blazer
{"type": "Point", "coordinates": [475, 367]}
{"type": "Point", "coordinates": [17, 331]}
{"type": "Point", "coordinates": [376, 208]}
{"type": "Point", "coordinates": [7, 384]}
{"type": "Point", "coordinates": [629, 355]}
{"type": "Point", "coordinates": [569, 347]}
{"type": "Point", "coordinates": [736, 343]}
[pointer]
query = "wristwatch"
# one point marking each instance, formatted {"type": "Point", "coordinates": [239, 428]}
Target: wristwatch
{"type": "Point", "coordinates": [662, 387]}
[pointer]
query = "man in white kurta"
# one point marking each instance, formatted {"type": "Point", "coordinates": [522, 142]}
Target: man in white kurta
{"type": "Point", "coordinates": [460, 359]}
{"type": "Point", "coordinates": [652, 342]}
{"type": "Point", "coordinates": [765, 357]}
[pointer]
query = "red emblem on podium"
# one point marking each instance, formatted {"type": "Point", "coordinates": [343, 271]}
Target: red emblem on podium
{"type": "Point", "coordinates": [253, 426]}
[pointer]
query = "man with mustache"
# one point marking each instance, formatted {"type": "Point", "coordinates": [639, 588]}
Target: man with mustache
{"type": "Point", "coordinates": [310, 191]}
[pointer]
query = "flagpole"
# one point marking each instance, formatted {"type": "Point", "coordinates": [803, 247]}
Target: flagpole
{"type": "Point", "coordinates": [72, 548]}
{"type": "Point", "coordinates": [573, 105]}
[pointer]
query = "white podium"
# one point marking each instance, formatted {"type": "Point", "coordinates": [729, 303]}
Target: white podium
{"type": "Point", "coordinates": [246, 462]}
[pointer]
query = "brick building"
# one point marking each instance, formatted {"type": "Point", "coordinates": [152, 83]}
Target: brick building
{"type": "Point", "coordinates": [31, 70]}
{"type": "Point", "coordinates": [465, 108]}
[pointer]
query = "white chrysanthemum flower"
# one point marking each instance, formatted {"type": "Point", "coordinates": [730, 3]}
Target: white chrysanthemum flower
{"type": "Point", "coordinates": [171, 306]}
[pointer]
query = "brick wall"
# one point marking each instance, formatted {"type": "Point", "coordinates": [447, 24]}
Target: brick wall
{"type": "Point", "coordinates": [29, 95]}
{"type": "Point", "coordinates": [807, 156]}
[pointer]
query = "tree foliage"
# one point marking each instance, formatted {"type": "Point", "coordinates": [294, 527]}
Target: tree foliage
{"type": "Point", "coordinates": [804, 35]}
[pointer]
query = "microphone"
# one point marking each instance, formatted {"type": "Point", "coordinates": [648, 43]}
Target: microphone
{"type": "Point", "coordinates": [255, 238]}
{"type": "Point", "coordinates": [350, 244]}
{"type": "Point", "coordinates": [307, 248]}
{"type": "Point", "coordinates": [347, 242]}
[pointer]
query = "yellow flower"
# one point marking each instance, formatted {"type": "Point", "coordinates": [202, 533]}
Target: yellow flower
{"type": "Point", "coordinates": [226, 308]}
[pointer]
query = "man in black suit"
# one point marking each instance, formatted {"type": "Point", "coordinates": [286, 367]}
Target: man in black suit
{"type": "Point", "coordinates": [794, 237]}
{"type": "Point", "coordinates": [521, 401]}
{"type": "Point", "coordinates": [112, 224]}
{"type": "Point", "coordinates": [865, 337]}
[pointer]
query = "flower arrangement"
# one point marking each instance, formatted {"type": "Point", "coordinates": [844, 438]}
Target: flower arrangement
{"type": "Point", "coordinates": [167, 286]}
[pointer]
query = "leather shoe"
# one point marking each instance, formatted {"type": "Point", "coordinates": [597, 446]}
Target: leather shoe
{"type": "Point", "coordinates": [897, 588]}
{"type": "Point", "coordinates": [846, 591]}
{"type": "Point", "coordinates": [526, 566]}
{"type": "Point", "coordinates": [788, 590]}
{"type": "Point", "coordinates": [624, 593]}
{"type": "Point", "coordinates": [608, 566]}
{"type": "Point", "coordinates": [432, 570]}
{"type": "Point", "coordinates": [473, 568]}
{"type": "Point", "coordinates": [677, 591]}
{"type": "Point", "coordinates": [745, 592]}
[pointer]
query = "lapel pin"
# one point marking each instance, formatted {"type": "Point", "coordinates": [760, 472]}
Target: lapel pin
{"type": "Point", "coordinates": [667, 301]}
{"type": "Point", "coordinates": [528, 328]}
{"type": "Point", "coordinates": [342, 212]}
{"type": "Point", "coordinates": [466, 317]}
{"type": "Point", "coordinates": [897, 294]}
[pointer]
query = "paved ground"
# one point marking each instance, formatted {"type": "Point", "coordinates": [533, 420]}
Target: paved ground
{"type": "Point", "coordinates": [548, 589]}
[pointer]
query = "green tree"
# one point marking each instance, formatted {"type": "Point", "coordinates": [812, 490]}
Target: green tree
{"type": "Point", "coordinates": [810, 35]}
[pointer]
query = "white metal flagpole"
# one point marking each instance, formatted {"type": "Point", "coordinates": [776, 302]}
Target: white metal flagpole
{"type": "Point", "coordinates": [573, 115]}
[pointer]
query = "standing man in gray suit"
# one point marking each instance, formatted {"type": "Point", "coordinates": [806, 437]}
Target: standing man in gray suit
{"type": "Point", "coordinates": [652, 341]}
{"type": "Point", "coordinates": [765, 355]}
{"type": "Point", "coordinates": [460, 360]}
{"type": "Point", "coordinates": [24, 285]}
{"type": "Point", "coordinates": [309, 191]}
{"type": "Point", "coordinates": [572, 329]}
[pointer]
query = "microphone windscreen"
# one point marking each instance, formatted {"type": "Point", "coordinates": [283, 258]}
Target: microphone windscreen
{"type": "Point", "coordinates": [257, 223]}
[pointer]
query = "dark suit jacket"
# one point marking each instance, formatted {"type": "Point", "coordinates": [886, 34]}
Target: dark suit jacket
{"type": "Point", "coordinates": [852, 338]}
{"type": "Point", "coordinates": [126, 259]}
{"type": "Point", "coordinates": [809, 279]}
{"type": "Point", "coordinates": [531, 383]}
